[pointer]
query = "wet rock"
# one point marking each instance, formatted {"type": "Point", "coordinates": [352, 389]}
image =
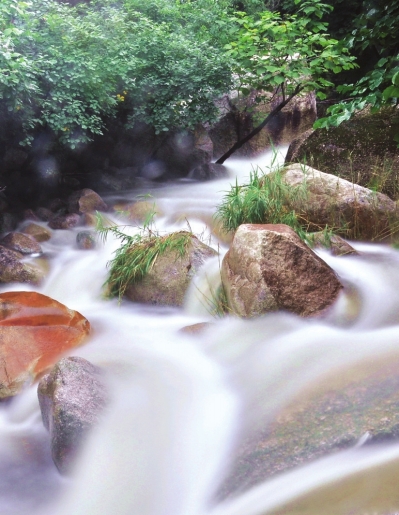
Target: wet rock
{"type": "Point", "coordinates": [22, 243]}
{"type": "Point", "coordinates": [35, 332]}
{"type": "Point", "coordinates": [337, 245]}
{"type": "Point", "coordinates": [167, 281]}
{"type": "Point", "coordinates": [89, 219]}
{"type": "Point", "coordinates": [208, 171]}
{"type": "Point", "coordinates": [13, 270]}
{"type": "Point", "coordinates": [325, 199]}
{"type": "Point", "coordinates": [195, 329]}
{"type": "Point", "coordinates": [269, 268]}
{"type": "Point", "coordinates": [84, 201]}
{"type": "Point", "coordinates": [36, 231]}
{"type": "Point", "coordinates": [65, 221]}
{"type": "Point", "coordinates": [44, 214]}
{"type": "Point", "coordinates": [86, 240]}
{"type": "Point", "coordinates": [333, 416]}
{"type": "Point", "coordinates": [72, 399]}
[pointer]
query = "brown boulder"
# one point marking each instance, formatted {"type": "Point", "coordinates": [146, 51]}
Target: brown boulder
{"type": "Point", "coordinates": [324, 199]}
{"type": "Point", "coordinates": [13, 270]}
{"type": "Point", "coordinates": [167, 281]}
{"type": "Point", "coordinates": [22, 243]}
{"type": "Point", "coordinates": [35, 331]}
{"type": "Point", "coordinates": [268, 268]}
{"type": "Point", "coordinates": [84, 201]}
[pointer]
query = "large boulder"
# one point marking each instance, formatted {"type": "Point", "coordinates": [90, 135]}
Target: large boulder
{"type": "Point", "coordinates": [35, 331]}
{"type": "Point", "coordinates": [269, 268]}
{"type": "Point", "coordinates": [12, 269]}
{"type": "Point", "coordinates": [239, 117]}
{"type": "Point", "coordinates": [361, 150]}
{"type": "Point", "coordinates": [324, 199]}
{"type": "Point", "coordinates": [167, 281]}
{"type": "Point", "coordinates": [72, 398]}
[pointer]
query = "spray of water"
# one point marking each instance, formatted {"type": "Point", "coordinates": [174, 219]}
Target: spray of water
{"type": "Point", "coordinates": [181, 406]}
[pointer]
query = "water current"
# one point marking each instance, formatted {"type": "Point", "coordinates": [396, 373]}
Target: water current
{"type": "Point", "coordinates": [183, 405]}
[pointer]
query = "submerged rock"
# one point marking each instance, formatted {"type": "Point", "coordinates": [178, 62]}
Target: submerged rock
{"type": "Point", "coordinates": [35, 331]}
{"type": "Point", "coordinates": [268, 268]}
{"type": "Point", "coordinates": [72, 398]}
{"type": "Point", "coordinates": [167, 281]}
{"type": "Point", "coordinates": [323, 199]}
{"type": "Point", "coordinates": [335, 244]}
{"type": "Point", "coordinates": [12, 269]}
{"type": "Point", "coordinates": [38, 232]}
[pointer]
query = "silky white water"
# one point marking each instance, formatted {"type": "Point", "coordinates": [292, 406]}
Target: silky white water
{"type": "Point", "coordinates": [182, 405]}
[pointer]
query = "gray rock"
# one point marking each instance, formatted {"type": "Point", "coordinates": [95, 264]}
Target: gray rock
{"type": "Point", "coordinates": [325, 199]}
{"type": "Point", "coordinates": [268, 268]}
{"type": "Point", "coordinates": [72, 399]}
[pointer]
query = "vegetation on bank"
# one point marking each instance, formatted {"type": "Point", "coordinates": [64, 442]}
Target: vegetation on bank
{"type": "Point", "coordinates": [67, 70]}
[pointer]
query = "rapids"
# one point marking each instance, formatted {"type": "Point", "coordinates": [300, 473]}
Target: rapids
{"type": "Point", "coordinates": [183, 405]}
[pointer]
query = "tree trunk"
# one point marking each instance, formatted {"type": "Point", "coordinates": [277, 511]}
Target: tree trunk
{"type": "Point", "coordinates": [257, 129]}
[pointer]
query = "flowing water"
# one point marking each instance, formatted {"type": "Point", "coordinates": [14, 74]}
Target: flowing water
{"type": "Point", "coordinates": [183, 405]}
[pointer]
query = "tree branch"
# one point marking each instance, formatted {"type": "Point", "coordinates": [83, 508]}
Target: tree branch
{"type": "Point", "coordinates": [257, 129]}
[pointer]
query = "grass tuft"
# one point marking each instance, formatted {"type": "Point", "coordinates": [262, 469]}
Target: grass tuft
{"type": "Point", "coordinates": [265, 199]}
{"type": "Point", "coordinates": [137, 254]}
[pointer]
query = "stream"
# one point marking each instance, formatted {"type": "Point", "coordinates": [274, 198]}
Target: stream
{"type": "Point", "coordinates": [183, 405]}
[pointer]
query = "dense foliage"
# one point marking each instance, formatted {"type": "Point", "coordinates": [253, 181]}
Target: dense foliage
{"type": "Point", "coordinates": [373, 39]}
{"type": "Point", "coordinates": [67, 68]}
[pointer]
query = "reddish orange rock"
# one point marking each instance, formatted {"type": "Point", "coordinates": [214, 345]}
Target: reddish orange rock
{"type": "Point", "coordinates": [35, 331]}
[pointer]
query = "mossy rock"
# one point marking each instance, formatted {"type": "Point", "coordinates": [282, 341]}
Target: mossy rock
{"type": "Point", "coordinates": [361, 150]}
{"type": "Point", "coordinates": [167, 280]}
